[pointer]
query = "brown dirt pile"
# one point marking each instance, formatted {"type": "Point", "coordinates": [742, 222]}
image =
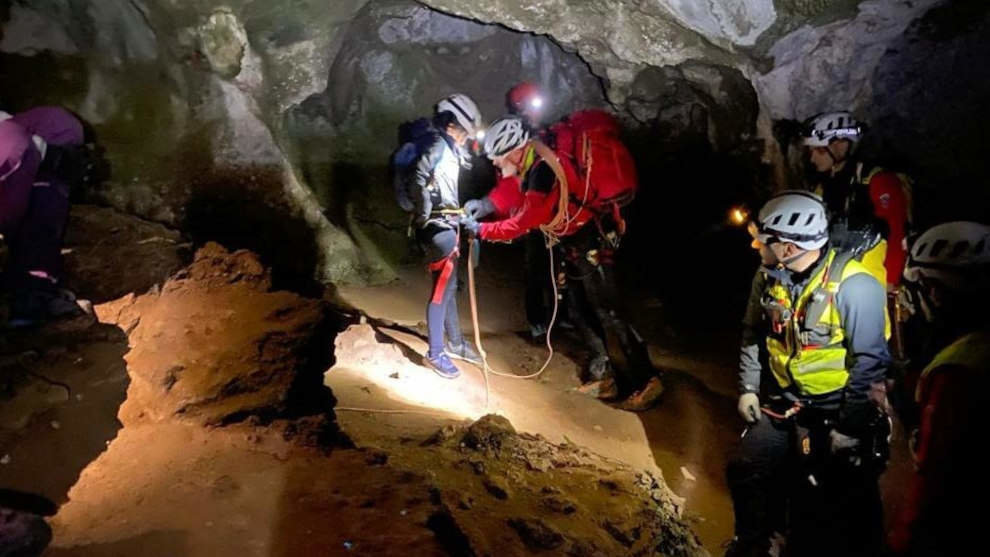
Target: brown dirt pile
{"type": "Point", "coordinates": [503, 492]}
{"type": "Point", "coordinates": [215, 344]}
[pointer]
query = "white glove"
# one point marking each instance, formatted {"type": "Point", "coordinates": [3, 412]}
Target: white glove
{"type": "Point", "coordinates": [749, 407]}
{"type": "Point", "coordinates": [842, 442]}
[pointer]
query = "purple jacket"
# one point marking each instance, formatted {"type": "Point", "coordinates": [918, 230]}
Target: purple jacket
{"type": "Point", "coordinates": [19, 162]}
{"type": "Point", "coordinates": [54, 124]}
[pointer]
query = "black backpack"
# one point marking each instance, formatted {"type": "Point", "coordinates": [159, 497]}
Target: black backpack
{"type": "Point", "coordinates": [415, 138]}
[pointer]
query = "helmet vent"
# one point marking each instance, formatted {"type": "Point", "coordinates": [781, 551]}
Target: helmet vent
{"type": "Point", "coordinates": [811, 217]}
{"type": "Point", "coordinates": [959, 249]}
{"type": "Point", "coordinates": [937, 247]}
{"type": "Point", "coordinates": [794, 218]}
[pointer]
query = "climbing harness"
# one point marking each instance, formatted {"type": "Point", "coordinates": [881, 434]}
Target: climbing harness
{"type": "Point", "coordinates": [445, 266]}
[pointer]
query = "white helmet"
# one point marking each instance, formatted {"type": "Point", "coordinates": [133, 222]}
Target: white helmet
{"type": "Point", "coordinates": [955, 253]}
{"type": "Point", "coordinates": [5, 116]}
{"type": "Point", "coordinates": [504, 135]}
{"type": "Point", "coordinates": [464, 110]}
{"type": "Point", "coordinates": [794, 216]}
{"type": "Point", "coordinates": [825, 128]}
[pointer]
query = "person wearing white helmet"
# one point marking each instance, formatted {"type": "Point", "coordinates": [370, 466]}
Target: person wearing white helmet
{"type": "Point", "coordinates": [949, 266]}
{"type": "Point", "coordinates": [820, 315]}
{"type": "Point", "coordinates": [869, 207]}
{"type": "Point", "coordinates": [543, 175]}
{"type": "Point", "coordinates": [498, 204]}
{"type": "Point", "coordinates": [433, 189]}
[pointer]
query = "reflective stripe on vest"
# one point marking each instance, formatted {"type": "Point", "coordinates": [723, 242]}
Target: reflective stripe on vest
{"type": "Point", "coordinates": [971, 351]}
{"type": "Point", "coordinates": [806, 341]}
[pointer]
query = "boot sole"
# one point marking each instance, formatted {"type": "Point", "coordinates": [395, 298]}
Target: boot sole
{"type": "Point", "coordinates": [478, 362]}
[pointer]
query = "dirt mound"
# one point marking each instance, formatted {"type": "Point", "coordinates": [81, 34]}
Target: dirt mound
{"type": "Point", "coordinates": [109, 254]}
{"type": "Point", "coordinates": [214, 345]}
{"type": "Point", "coordinates": [489, 477]}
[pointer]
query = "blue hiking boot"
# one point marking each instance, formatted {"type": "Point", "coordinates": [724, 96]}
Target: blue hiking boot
{"type": "Point", "coordinates": [442, 365]}
{"type": "Point", "coordinates": [464, 351]}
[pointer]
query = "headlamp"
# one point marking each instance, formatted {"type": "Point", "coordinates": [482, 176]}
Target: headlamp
{"type": "Point", "coordinates": [536, 102]}
{"type": "Point", "coordinates": [738, 215]}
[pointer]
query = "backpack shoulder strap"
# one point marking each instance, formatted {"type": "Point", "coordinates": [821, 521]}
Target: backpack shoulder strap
{"type": "Point", "coordinates": [548, 156]}
{"type": "Point", "coordinates": [823, 295]}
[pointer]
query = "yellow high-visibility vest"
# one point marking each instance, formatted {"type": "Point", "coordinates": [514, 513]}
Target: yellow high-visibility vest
{"type": "Point", "coordinates": [806, 340]}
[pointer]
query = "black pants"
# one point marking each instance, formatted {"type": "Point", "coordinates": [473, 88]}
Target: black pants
{"type": "Point", "coordinates": [36, 246]}
{"type": "Point", "coordinates": [837, 513]}
{"type": "Point", "coordinates": [439, 242]}
{"type": "Point", "coordinates": [539, 289]}
{"type": "Point", "coordinates": [594, 308]}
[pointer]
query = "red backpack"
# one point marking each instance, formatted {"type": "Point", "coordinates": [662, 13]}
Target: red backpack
{"type": "Point", "coordinates": [606, 170]}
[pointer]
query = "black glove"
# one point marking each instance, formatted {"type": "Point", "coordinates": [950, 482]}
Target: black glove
{"type": "Point", "coordinates": [471, 226]}
{"type": "Point", "coordinates": [479, 208]}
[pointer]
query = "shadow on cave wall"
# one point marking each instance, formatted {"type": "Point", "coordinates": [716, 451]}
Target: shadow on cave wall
{"type": "Point", "coordinates": [697, 157]}
{"type": "Point", "coordinates": [240, 208]}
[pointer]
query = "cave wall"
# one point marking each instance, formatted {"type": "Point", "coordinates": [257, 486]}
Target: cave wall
{"type": "Point", "coordinates": [929, 111]}
{"type": "Point", "coordinates": [398, 58]}
{"type": "Point", "coordinates": [183, 95]}
{"type": "Point", "coordinates": [268, 124]}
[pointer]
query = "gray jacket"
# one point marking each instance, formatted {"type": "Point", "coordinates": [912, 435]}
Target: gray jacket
{"type": "Point", "coordinates": [434, 181]}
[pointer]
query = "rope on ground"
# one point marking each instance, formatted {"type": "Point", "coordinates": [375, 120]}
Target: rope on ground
{"type": "Point", "coordinates": [553, 320]}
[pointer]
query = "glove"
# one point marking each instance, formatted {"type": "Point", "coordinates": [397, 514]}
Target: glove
{"type": "Point", "coordinates": [749, 407]}
{"type": "Point", "coordinates": [471, 226]}
{"type": "Point", "coordinates": [840, 442]}
{"type": "Point", "coordinates": [479, 208]}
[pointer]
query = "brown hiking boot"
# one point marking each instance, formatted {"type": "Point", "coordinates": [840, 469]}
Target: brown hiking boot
{"type": "Point", "coordinates": [605, 389]}
{"type": "Point", "coordinates": [645, 398]}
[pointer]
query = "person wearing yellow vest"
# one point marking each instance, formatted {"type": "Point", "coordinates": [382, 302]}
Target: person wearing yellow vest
{"type": "Point", "coordinates": [869, 207]}
{"type": "Point", "coordinates": [949, 266]}
{"type": "Point", "coordinates": [819, 315]}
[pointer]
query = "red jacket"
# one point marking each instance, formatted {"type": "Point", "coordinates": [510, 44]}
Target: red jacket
{"type": "Point", "coordinates": [507, 196]}
{"type": "Point", "coordinates": [891, 206]}
{"type": "Point", "coordinates": [528, 208]}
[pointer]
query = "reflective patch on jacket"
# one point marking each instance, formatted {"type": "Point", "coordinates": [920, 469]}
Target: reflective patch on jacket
{"type": "Point", "coordinates": [806, 340]}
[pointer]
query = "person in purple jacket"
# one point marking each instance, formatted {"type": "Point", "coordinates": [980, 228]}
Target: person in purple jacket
{"type": "Point", "coordinates": [39, 160]}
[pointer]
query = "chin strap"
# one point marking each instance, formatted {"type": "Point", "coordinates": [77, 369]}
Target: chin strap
{"type": "Point", "coordinates": [783, 263]}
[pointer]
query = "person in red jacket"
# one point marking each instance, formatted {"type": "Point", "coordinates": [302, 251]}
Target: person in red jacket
{"type": "Point", "coordinates": [509, 145]}
{"type": "Point", "coordinates": [527, 101]}
{"type": "Point", "coordinates": [950, 268]}
{"type": "Point", "coordinates": [868, 207]}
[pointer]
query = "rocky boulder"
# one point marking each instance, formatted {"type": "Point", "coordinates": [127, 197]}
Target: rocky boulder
{"type": "Point", "coordinates": [215, 345]}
